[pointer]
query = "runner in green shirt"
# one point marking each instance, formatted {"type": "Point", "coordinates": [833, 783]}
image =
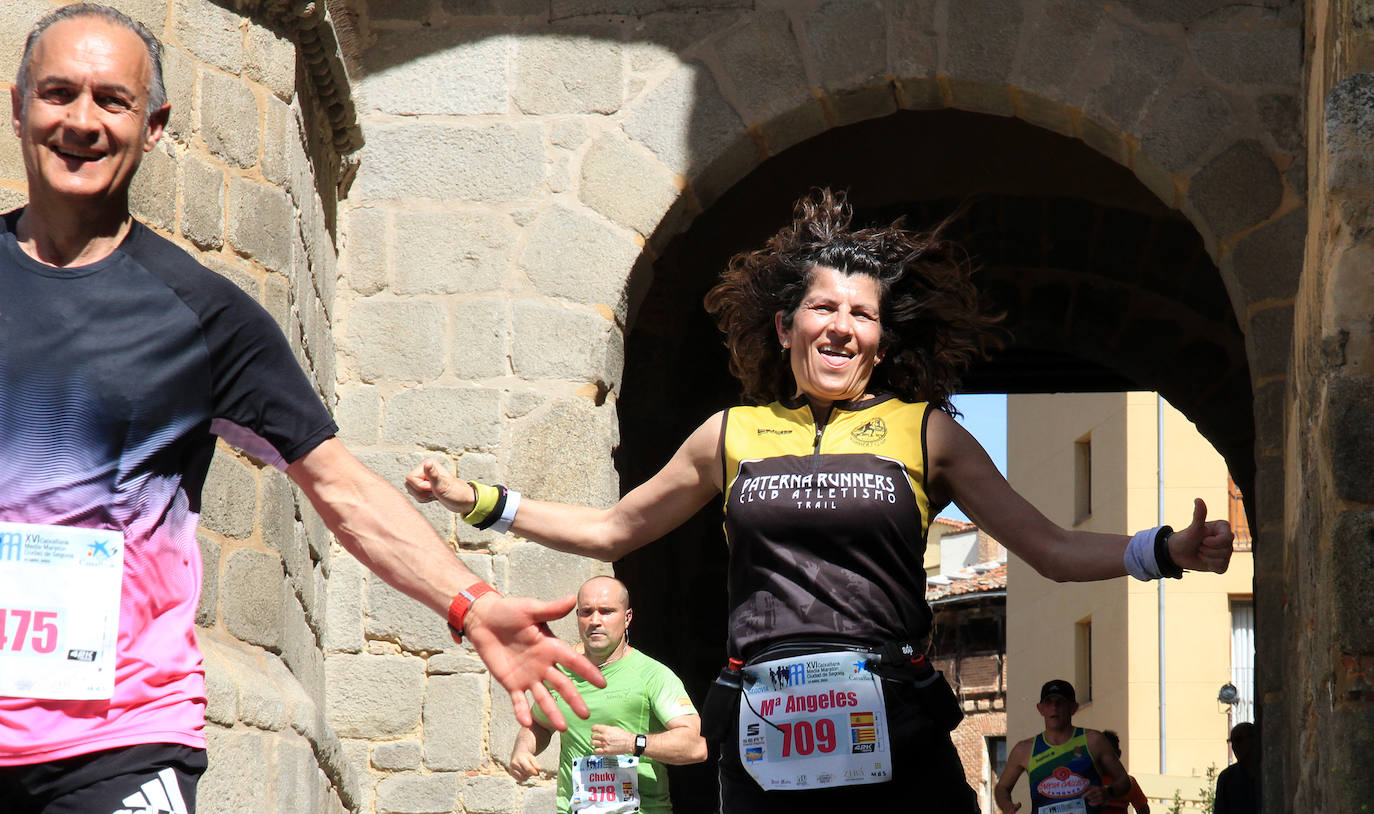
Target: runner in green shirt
{"type": "Point", "coordinates": [643, 713]}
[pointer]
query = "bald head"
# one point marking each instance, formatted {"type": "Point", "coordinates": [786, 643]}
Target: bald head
{"type": "Point", "coordinates": [596, 584]}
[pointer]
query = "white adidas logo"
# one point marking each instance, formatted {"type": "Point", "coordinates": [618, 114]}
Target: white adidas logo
{"type": "Point", "coordinates": [160, 796]}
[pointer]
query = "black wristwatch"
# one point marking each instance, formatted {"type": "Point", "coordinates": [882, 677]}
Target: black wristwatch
{"type": "Point", "coordinates": [641, 743]}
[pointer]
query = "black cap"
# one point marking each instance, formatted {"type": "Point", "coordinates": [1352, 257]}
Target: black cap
{"type": "Point", "coordinates": [1058, 687]}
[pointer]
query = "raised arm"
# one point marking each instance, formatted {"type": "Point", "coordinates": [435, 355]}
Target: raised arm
{"type": "Point", "coordinates": [960, 470]}
{"type": "Point", "coordinates": [652, 509]}
{"type": "Point", "coordinates": [376, 524]}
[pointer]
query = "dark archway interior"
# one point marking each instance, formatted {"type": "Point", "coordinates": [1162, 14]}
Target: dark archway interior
{"type": "Point", "coordinates": [1104, 289]}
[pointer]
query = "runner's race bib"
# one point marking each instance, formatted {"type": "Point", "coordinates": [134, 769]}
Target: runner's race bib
{"type": "Point", "coordinates": [1075, 806]}
{"type": "Point", "coordinates": [605, 784]}
{"type": "Point", "coordinates": [814, 721]}
{"type": "Point", "coordinates": [59, 610]}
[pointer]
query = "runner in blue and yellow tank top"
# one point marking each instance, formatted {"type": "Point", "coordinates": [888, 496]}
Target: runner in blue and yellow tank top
{"type": "Point", "coordinates": [1065, 763]}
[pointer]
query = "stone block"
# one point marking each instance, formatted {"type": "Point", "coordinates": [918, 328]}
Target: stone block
{"type": "Point", "coordinates": [179, 79]}
{"type": "Point", "coordinates": [490, 794]}
{"type": "Point", "coordinates": [452, 252]}
{"type": "Point", "coordinates": [296, 779]}
{"type": "Point", "coordinates": [1352, 546]}
{"type": "Point", "coordinates": [261, 223]}
{"type": "Point", "coordinates": [693, 130]}
{"type": "Point", "coordinates": [1349, 436]}
{"type": "Point", "coordinates": [221, 690]}
{"type": "Point", "coordinates": [921, 93]}
{"type": "Point", "coordinates": [202, 203]}
{"type": "Point", "coordinates": [270, 61]}
{"type": "Point", "coordinates": [367, 241]}
{"type": "Point", "coordinates": [229, 498]}
{"type": "Point", "coordinates": [279, 129]}
{"type": "Point", "coordinates": [1267, 263]}
{"type": "Point", "coordinates": [452, 418]}
{"type": "Point", "coordinates": [539, 799]}
{"type": "Point", "coordinates": [1282, 116]}
{"type": "Point", "coordinates": [417, 794]}
{"type": "Point", "coordinates": [234, 756]}
{"type": "Point", "coordinates": [454, 716]}
{"type": "Point", "coordinates": [849, 41]}
{"type": "Point", "coordinates": [11, 158]}
{"type": "Point", "coordinates": [482, 351]}
{"type": "Point", "coordinates": [298, 694]}
{"type": "Point", "coordinates": [207, 611]}
{"type": "Point", "coordinates": [568, 74]}
{"type": "Point", "coordinates": [277, 510]}
{"type": "Point", "coordinates": [261, 703]}
{"type": "Point", "coordinates": [568, 133]}
{"type": "Point", "coordinates": [251, 600]}
{"type": "Point", "coordinates": [343, 620]}
{"type": "Point", "coordinates": [1349, 121]}
{"type": "Point", "coordinates": [211, 33]}
{"type": "Point", "coordinates": [1061, 56]}
{"type": "Point", "coordinates": [913, 41]}
{"type": "Point", "coordinates": [872, 101]}
{"type": "Point", "coordinates": [394, 617]}
{"type": "Point", "coordinates": [1179, 130]}
{"type": "Point", "coordinates": [454, 661]}
{"type": "Point", "coordinates": [373, 696]}
{"type": "Point", "coordinates": [410, 73]}
{"type": "Point", "coordinates": [980, 43]}
{"type": "Point", "coordinates": [1045, 113]}
{"type": "Point", "coordinates": [575, 256]}
{"type": "Point", "coordinates": [300, 648]}
{"type": "Point", "coordinates": [578, 470]}
{"type": "Point", "coordinates": [152, 195]}
{"type": "Point", "coordinates": [794, 127]}
{"type": "Point", "coordinates": [981, 97]}
{"type": "Point", "coordinates": [624, 182]}
{"type": "Point", "coordinates": [19, 18]}
{"type": "Point", "coordinates": [552, 342]}
{"type": "Point", "coordinates": [1237, 189]}
{"type": "Point", "coordinates": [1257, 52]}
{"type": "Point", "coordinates": [486, 163]}
{"type": "Point", "coordinates": [359, 415]}
{"type": "Point", "coordinates": [1142, 65]}
{"type": "Point", "coordinates": [397, 756]}
{"type": "Point", "coordinates": [383, 338]}
{"type": "Point", "coordinates": [229, 119]}
{"type": "Point", "coordinates": [763, 65]}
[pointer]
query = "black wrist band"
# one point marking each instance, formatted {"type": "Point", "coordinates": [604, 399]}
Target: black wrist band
{"type": "Point", "coordinates": [1165, 560]}
{"type": "Point", "coordinates": [641, 743]}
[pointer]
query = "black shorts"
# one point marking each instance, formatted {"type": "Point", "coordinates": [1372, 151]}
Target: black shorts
{"type": "Point", "coordinates": [148, 778]}
{"type": "Point", "coordinates": [927, 775]}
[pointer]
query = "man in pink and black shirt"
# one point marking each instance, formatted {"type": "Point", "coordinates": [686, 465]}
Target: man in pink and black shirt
{"type": "Point", "coordinates": [121, 361]}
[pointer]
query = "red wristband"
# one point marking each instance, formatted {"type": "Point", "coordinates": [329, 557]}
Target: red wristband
{"type": "Point", "coordinates": [458, 610]}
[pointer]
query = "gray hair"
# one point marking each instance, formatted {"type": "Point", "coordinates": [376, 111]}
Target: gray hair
{"type": "Point", "coordinates": [157, 91]}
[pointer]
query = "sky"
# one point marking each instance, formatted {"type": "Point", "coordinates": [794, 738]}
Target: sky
{"type": "Point", "coordinates": [985, 416]}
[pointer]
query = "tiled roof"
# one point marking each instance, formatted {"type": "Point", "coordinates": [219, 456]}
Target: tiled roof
{"type": "Point", "coordinates": [980, 578]}
{"type": "Point", "coordinates": [956, 525]}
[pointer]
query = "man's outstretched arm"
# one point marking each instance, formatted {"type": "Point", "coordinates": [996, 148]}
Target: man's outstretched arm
{"type": "Point", "coordinates": [379, 526]}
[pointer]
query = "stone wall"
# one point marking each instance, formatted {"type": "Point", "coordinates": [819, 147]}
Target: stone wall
{"type": "Point", "coordinates": [235, 184]}
{"type": "Point", "coordinates": [527, 161]}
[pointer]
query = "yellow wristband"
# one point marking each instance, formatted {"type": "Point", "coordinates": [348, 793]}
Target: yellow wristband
{"type": "Point", "coordinates": [487, 496]}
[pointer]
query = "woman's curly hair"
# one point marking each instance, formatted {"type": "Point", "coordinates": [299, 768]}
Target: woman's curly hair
{"type": "Point", "coordinates": [934, 324]}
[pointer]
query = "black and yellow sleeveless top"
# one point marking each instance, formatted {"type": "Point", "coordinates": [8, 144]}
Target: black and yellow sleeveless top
{"type": "Point", "coordinates": [826, 524]}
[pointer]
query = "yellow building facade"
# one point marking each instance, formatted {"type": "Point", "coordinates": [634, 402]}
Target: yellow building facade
{"type": "Point", "coordinates": [1095, 462]}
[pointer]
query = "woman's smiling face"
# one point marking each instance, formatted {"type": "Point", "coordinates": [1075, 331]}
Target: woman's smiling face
{"type": "Point", "coordinates": [835, 337]}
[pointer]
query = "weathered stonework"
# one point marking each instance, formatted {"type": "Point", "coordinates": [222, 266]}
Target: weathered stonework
{"type": "Point", "coordinates": [466, 286]}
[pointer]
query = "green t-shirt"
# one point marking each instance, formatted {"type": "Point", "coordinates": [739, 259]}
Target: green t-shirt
{"type": "Point", "coordinates": [641, 695]}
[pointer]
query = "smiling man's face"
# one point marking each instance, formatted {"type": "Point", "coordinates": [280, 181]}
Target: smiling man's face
{"type": "Point", "coordinates": [84, 122]}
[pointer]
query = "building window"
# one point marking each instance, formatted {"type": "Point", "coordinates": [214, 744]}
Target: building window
{"type": "Point", "coordinates": [1243, 658]}
{"type": "Point", "coordinates": [1083, 660]}
{"type": "Point", "coordinates": [1082, 479]}
{"type": "Point", "coordinates": [997, 754]}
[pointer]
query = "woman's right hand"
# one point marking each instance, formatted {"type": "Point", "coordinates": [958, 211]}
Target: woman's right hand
{"type": "Point", "coordinates": [432, 481]}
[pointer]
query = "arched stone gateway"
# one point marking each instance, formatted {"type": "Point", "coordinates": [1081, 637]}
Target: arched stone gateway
{"type": "Point", "coordinates": [1166, 194]}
